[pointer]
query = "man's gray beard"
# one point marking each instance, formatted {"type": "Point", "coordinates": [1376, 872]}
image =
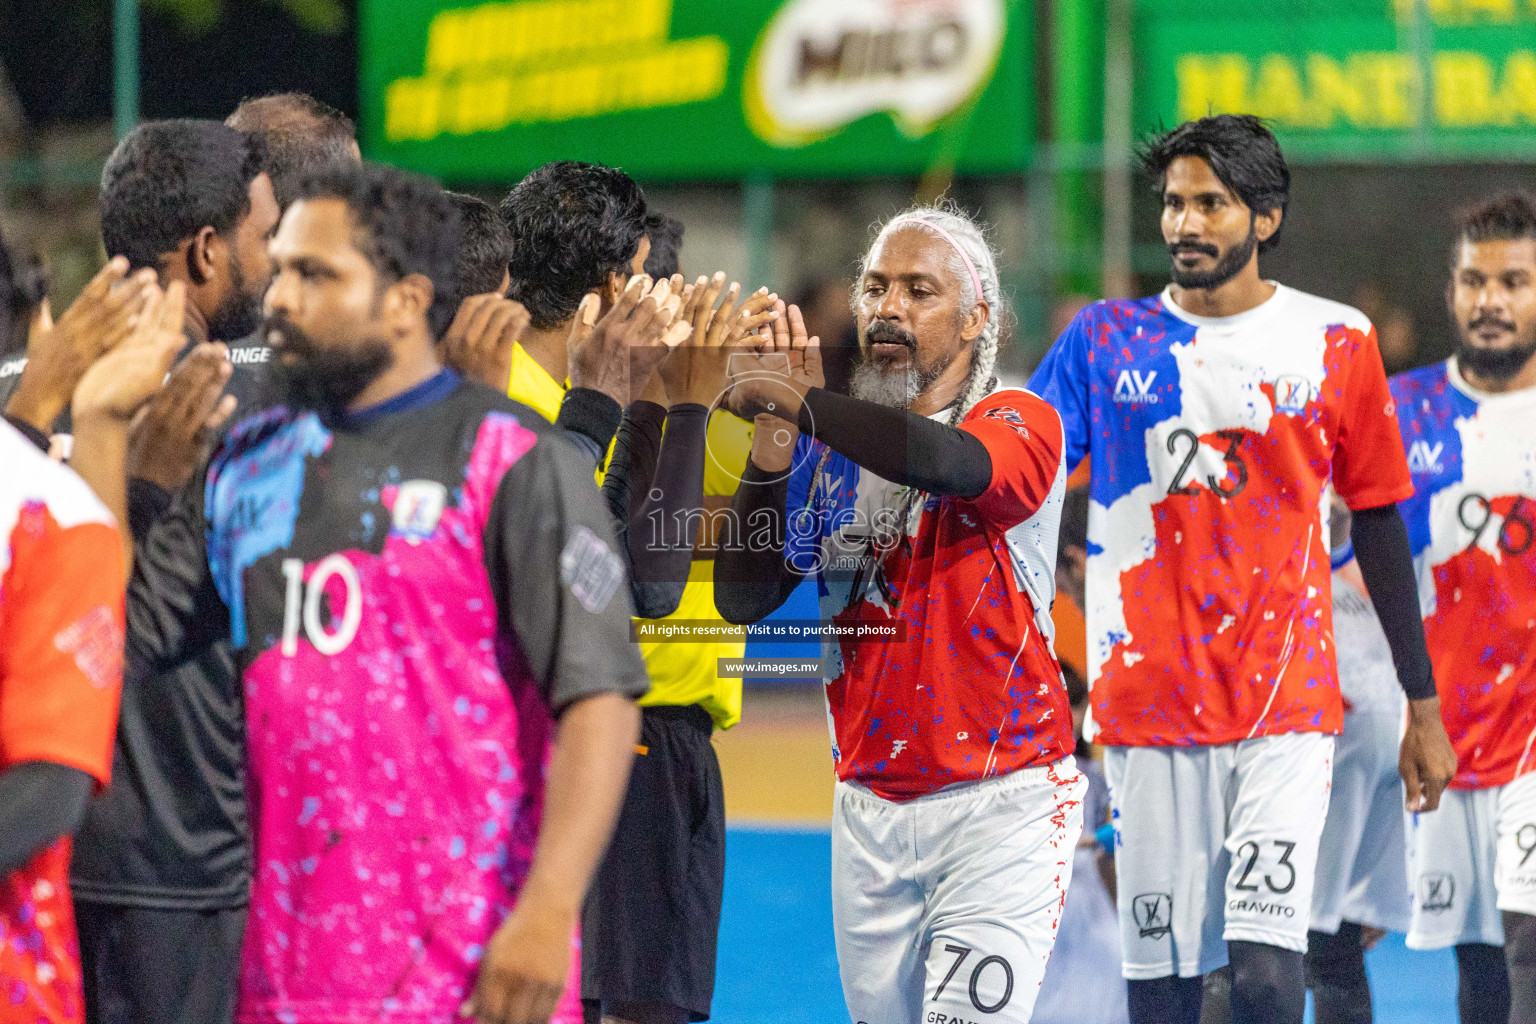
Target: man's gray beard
{"type": "Point", "coordinates": [893, 386]}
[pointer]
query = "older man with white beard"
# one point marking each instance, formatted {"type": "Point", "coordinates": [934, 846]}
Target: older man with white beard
{"type": "Point", "coordinates": [926, 508]}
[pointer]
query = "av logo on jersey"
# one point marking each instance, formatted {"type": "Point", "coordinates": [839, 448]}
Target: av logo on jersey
{"type": "Point", "coordinates": [1292, 393]}
{"type": "Point", "coordinates": [823, 64]}
{"type": "Point", "coordinates": [1133, 387]}
{"type": "Point", "coordinates": [1424, 457]}
{"type": "Point", "coordinates": [418, 507]}
{"type": "Point", "coordinates": [1437, 890]}
{"type": "Point", "coordinates": [1153, 912]}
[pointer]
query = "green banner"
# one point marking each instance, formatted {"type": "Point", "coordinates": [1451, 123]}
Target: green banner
{"type": "Point", "coordinates": [697, 88]}
{"type": "Point", "coordinates": [1349, 79]}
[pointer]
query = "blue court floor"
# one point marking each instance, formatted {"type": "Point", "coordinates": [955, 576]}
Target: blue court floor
{"type": "Point", "coordinates": [777, 964]}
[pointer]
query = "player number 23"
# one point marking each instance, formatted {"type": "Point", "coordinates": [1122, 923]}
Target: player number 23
{"type": "Point", "coordinates": [1250, 850]}
{"type": "Point", "coordinates": [302, 601]}
{"type": "Point", "coordinates": [1233, 457]}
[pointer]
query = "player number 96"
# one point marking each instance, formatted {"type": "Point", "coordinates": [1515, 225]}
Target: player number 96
{"type": "Point", "coordinates": [1516, 532]}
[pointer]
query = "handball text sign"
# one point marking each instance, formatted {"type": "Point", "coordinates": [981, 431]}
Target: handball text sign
{"type": "Point", "coordinates": [1350, 79]}
{"type": "Point", "coordinates": [697, 88]}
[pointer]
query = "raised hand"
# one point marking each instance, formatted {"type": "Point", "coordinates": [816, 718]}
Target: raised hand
{"type": "Point", "coordinates": [173, 432]}
{"type": "Point", "coordinates": [480, 341]}
{"type": "Point", "coordinates": [112, 391]}
{"type": "Point", "coordinates": [124, 378]}
{"type": "Point", "coordinates": [695, 372]}
{"type": "Point", "coordinates": [789, 335]}
{"type": "Point", "coordinates": [784, 364]}
{"type": "Point", "coordinates": [621, 351]}
{"type": "Point", "coordinates": [757, 311]}
{"type": "Point", "coordinates": [59, 354]}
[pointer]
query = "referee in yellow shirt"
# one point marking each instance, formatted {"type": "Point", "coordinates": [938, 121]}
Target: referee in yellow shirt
{"type": "Point", "coordinates": [652, 920]}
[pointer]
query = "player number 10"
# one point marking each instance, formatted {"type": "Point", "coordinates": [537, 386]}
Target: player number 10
{"type": "Point", "coordinates": [302, 601]}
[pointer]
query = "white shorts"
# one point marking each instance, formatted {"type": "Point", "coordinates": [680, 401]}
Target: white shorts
{"type": "Point", "coordinates": [1215, 844]}
{"type": "Point", "coordinates": [945, 907]}
{"type": "Point", "coordinates": [1472, 858]}
{"type": "Point", "coordinates": [1362, 860]}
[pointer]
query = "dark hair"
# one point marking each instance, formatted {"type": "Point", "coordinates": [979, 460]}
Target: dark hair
{"type": "Point", "coordinates": [167, 180]}
{"type": "Point", "coordinates": [485, 246]}
{"type": "Point", "coordinates": [23, 287]}
{"type": "Point", "coordinates": [572, 225]}
{"type": "Point", "coordinates": [1074, 519]}
{"type": "Point", "coordinates": [1505, 217]}
{"type": "Point", "coordinates": [666, 235]}
{"type": "Point", "coordinates": [1241, 152]}
{"type": "Point", "coordinates": [303, 137]}
{"type": "Point", "coordinates": [403, 223]}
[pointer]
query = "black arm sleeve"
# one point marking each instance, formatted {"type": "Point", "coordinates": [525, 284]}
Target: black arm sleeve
{"type": "Point", "coordinates": [752, 579]}
{"type": "Point", "coordinates": [900, 446]}
{"type": "Point", "coordinates": [661, 532]}
{"type": "Point", "coordinates": [39, 802]}
{"type": "Point", "coordinates": [590, 419]}
{"type": "Point", "coordinates": [633, 465]}
{"type": "Point", "coordinates": [174, 609]}
{"type": "Point", "coordinates": [1386, 563]}
{"type": "Point", "coordinates": [559, 585]}
{"type": "Point", "coordinates": [658, 565]}
{"type": "Point", "coordinates": [147, 502]}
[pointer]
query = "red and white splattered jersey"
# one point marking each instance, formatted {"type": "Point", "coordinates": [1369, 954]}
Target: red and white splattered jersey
{"type": "Point", "coordinates": [1471, 524]}
{"type": "Point", "coordinates": [61, 672]}
{"type": "Point", "coordinates": [971, 688]}
{"type": "Point", "coordinates": [1213, 442]}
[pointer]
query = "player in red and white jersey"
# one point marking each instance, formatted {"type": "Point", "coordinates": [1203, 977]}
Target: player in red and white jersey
{"type": "Point", "coordinates": [61, 671]}
{"type": "Point", "coordinates": [62, 580]}
{"type": "Point", "coordinates": [928, 505]}
{"type": "Point", "coordinates": [1216, 415]}
{"type": "Point", "coordinates": [1469, 425]}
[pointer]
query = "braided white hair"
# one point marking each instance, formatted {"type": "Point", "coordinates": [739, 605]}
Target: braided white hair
{"type": "Point", "coordinates": [971, 236]}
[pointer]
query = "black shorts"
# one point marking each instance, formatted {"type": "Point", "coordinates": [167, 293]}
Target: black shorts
{"type": "Point", "coordinates": [652, 920]}
{"type": "Point", "coordinates": [164, 966]}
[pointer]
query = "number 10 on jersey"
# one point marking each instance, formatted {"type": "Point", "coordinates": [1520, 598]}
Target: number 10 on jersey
{"type": "Point", "coordinates": [302, 601]}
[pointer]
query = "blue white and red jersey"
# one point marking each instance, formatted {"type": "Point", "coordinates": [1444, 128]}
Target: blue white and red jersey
{"type": "Point", "coordinates": [972, 688]}
{"type": "Point", "coordinates": [1212, 444]}
{"type": "Point", "coordinates": [1471, 523]}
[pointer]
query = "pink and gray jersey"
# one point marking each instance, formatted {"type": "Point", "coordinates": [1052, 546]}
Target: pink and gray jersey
{"type": "Point", "coordinates": [414, 593]}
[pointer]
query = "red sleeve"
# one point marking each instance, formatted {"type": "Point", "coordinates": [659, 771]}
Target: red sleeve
{"type": "Point", "coordinates": [1023, 436]}
{"type": "Point", "coordinates": [61, 643]}
{"type": "Point", "coordinates": [1370, 468]}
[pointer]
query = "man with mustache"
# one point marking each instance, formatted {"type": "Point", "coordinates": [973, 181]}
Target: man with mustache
{"type": "Point", "coordinates": [1216, 414]}
{"type": "Point", "coordinates": [161, 866]}
{"type": "Point", "coordinates": [1469, 425]}
{"type": "Point", "coordinates": [192, 201]}
{"type": "Point", "coordinates": [926, 507]}
{"type": "Point", "coordinates": [418, 580]}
